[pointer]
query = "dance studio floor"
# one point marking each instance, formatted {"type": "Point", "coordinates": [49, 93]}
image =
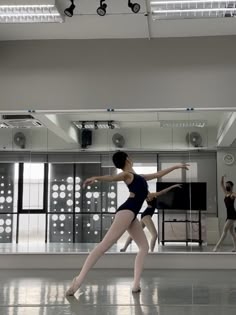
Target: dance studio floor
{"type": "Point", "coordinates": [108, 292]}
{"type": "Point", "coordinates": [85, 247]}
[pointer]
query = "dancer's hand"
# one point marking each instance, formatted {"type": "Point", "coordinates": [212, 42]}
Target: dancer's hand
{"type": "Point", "coordinates": [150, 196]}
{"type": "Point", "coordinates": [89, 181]}
{"type": "Point", "coordinates": [223, 178]}
{"type": "Point", "coordinates": [183, 166]}
{"type": "Point", "coordinates": [177, 186]}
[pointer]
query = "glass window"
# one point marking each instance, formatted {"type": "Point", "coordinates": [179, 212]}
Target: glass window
{"type": "Point", "coordinates": [33, 186]}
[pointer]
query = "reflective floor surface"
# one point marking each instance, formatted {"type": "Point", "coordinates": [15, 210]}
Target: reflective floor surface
{"type": "Point", "coordinates": [108, 292]}
{"type": "Point", "coordinates": [87, 247]}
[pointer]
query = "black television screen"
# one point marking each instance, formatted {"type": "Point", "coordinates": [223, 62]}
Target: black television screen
{"type": "Point", "coordinates": [192, 196]}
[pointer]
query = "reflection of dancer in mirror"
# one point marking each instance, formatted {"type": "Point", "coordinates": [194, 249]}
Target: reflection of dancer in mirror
{"type": "Point", "coordinates": [146, 217]}
{"type": "Point", "coordinates": [125, 218]}
{"type": "Point", "coordinates": [231, 213]}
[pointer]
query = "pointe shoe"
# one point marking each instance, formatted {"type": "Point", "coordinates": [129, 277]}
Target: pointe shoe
{"type": "Point", "coordinates": [122, 250]}
{"type": "Point", "coordinates": [136, 290]}
{"type": "Point", "coordinates": [71, 291]}
{"type": "Point", "coordinates": [215, 249]}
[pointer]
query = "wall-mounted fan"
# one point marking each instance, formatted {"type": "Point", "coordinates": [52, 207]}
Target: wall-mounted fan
{"type": "Point", "coordinates": [20, 140]}
{"type": "Point", "coordinates": [194, 138]}
{"type": "Point", "coordinates": [118, 140]}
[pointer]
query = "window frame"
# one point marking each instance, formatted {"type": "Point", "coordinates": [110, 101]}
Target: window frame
{"type": "Point", "coordinates": [22, 210]}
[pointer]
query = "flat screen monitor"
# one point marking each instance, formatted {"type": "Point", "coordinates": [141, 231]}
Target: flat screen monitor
{"type": "Point", "coordinates": [192, 196]}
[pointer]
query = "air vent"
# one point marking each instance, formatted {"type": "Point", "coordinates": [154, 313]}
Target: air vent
{"type": "Point", "coordinates": [20, 121]}
{"type": "Point", "coordinates": [11, 117]}
{"type": "Point", "coordinates": [3, 125]}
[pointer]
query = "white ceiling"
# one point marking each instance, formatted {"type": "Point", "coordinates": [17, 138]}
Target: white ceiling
{"type": "Point", "coordinates": [118, 23]}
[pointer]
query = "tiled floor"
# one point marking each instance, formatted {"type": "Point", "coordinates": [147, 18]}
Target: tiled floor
{"type": "Point", "coordinates": [108, 292]}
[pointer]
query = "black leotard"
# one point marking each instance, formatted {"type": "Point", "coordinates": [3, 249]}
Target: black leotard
{"type": "Point", "coordinates": [139, 188]}
{"type": "Point", "coordinates": [150, 209]}
{"type": "Point", "coordinates": [229, 203]}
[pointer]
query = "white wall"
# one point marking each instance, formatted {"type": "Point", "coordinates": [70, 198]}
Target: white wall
{"type": "Point", "coordinates": [145, 139]}
{"type": "Point", "coordinates": [230, 172]}
{"type": "Point", "coordinates": [180, 72]}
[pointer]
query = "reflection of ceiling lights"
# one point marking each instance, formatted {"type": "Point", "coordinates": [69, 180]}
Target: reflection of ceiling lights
{"type": "Point", "coordinates": [29, 11]}
{"type": "Point", "coordinates": [110, 124]}
{"type": "Point", "coordinates": [183, 123]}
{"type": "Point", "coordinates": [190, 9]}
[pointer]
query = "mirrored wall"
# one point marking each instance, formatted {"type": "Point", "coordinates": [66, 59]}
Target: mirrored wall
{"type": "Point", "coordinates": [45, 158]}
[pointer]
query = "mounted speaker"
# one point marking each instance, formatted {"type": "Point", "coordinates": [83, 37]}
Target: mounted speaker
{"type": "Point", "coordinates": [85, 138]}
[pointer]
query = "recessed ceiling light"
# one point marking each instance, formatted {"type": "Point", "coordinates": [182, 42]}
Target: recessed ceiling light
{"type": "Point", "coordinates": [97, 124]}
{"type": "Point", "coordinates": [183, 123]}
{"type": "Point", "coordinates": [29, 11]}
{"type": "Point", "coordinates": [192, 9]}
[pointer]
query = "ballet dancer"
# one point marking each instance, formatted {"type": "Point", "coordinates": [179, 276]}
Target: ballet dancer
{"type": "Point", "coordinates": [146, 217]}
{"type": "Point", "coordinates": [231, 213]}
{"type": "Point", "coordinates": [125, 217]}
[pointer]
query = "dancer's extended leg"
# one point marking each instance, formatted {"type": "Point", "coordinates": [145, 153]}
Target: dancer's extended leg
{"type": "Point", "coordinates": [120, 224]}
{"type": "Point", "coordinates": [227, 226]}
{"type": "Point", "coordinates": [136, 232]}
{"type": "Point", "coordinates": [127, 243]}
{"type": "Point", "coordinates": [152, 229]}
{"type": "Point", "coordinates": [129, 240]}
{"type": "Point", "coordinates": [232, 232]}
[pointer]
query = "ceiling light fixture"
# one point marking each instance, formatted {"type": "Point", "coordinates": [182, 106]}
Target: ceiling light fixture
{"type": "Point", "coordinates": [70, 11]}
{"type": "Point", "coordinates": [135, 7]}
{"type": "Point", "coordinates": [183, 123]}
{"type": "Point", "coordinates": [190, 9]}
{"type": "Point", "coordinates": [29, 11]}
{"type": "Point", "coordinates": [102, 9]}
{"type": "Point", "coordinates": [110, 124]}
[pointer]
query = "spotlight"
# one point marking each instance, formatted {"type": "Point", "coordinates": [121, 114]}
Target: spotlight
{"type": "Point", "coordinates": [95, 125]}
{"type": "Point", "coordinates": [70, 11]}
{"type": "Point", "coordinates": [102, 9]}
{"type": "Point", "coordinates": [110, 124]}
{"type": "Point", "coordinates": [135, 7]}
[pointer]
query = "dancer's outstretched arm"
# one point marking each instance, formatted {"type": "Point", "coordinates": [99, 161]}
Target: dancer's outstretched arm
{"type": "Point", "coordinates": [151, 196]}
{"type": "Point", "coordinates": [165, 171]}
{"type": "Point", "coordinates": [223, 184]}
{"type": "Point", "coordinates": [124, 176]}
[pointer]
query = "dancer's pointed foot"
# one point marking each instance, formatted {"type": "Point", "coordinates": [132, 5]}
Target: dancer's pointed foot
{"type": "Point", "coordinates": [215, 249]}
{"type": "Point", "coordinates": [73, 288]}
{"type": "Point", "coordinates": [136, 290]}
{"type": "Point", "coordinates": [122, 250]}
